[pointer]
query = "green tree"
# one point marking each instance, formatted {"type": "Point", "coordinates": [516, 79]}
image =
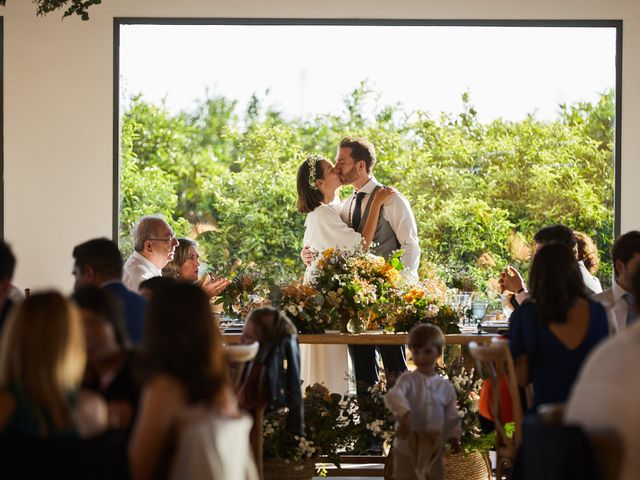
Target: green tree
{"type": "Point", "coordinates": [474, 187]}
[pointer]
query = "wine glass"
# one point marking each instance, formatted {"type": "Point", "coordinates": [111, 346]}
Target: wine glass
{"type": "Point", "coordinates": [460, 303]}
{"type": "Point", "coordinates": [479, 308]}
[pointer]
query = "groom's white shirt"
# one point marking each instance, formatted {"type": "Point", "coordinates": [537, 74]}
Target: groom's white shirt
{"type": "Point", "coordinates": [398, 213]}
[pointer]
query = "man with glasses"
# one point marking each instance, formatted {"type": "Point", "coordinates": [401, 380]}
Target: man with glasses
{"type": "Point", "coordinates": [154, 244]}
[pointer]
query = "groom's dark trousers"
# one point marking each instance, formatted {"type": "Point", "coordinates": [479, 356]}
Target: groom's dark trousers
{"type": "Point", "coordinates": [365, 364]}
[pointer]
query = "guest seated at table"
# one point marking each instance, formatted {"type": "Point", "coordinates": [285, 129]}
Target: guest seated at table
{"type": "Point", "coordinates": [42, 359]}
{"type": "Point", "coordinates": [619, 299]}
{"type": "Point", "coordinates": [98, 263]}
{"type": "Point", "coordinates": [150, 286]}
{"type": "Point", "coordinates": [189, 421]}
{"type": "Point", "coordinates": [112, 368]}
{"type": "Point", "coordinates": [605, 398]}
{"type": "Point", "coordinates": [185, 265]}
{"type": "Point", "coordinates": [154, 243]}
{"type": "Point", "coordinates": [551, 334]}
{"type": "Point", "coordinates": [511, 280]}
{"type": "Point", "coordinates": [587, 255]}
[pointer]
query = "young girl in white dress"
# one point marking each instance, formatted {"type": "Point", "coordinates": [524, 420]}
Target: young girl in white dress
{"type": "Point", "coordinates": [318, 183]}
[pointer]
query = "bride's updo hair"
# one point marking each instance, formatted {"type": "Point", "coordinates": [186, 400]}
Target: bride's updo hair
{"type": "Point", "coordinates": [309, 196]}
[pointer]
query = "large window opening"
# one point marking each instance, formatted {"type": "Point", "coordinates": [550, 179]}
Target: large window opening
{"type": "Point", "coordinates": [490, 131]}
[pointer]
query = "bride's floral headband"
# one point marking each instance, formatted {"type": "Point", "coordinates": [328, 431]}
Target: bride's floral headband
{"type": "Point", "coordinates": [312, 161]}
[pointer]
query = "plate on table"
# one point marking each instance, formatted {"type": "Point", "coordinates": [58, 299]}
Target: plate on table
{"type": "Point", "coordinates": [495, 326]}
{"type": "Point", "coordinates": [231, 325]}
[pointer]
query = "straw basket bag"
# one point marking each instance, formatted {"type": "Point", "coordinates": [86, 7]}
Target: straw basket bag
{"type": "Point", "coordinates": [278, 469]}
{"type": "Point", "coordinates": [474, 466]}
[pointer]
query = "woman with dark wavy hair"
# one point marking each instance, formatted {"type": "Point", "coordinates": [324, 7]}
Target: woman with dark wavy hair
{"type": "Point", "coordinates": [553, 332]}
{"type": "Point", "coordinates": [188, 421]}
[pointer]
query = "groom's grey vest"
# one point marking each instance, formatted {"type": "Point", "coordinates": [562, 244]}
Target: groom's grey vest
{"type": "Point", "coordinates": [384, 240]}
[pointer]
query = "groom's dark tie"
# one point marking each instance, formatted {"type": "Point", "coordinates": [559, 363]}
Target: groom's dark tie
{"type": "Point", "coordinates": [357, 211]}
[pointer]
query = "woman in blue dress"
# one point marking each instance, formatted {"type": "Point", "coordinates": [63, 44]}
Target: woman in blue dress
{"type": "Point", "coordinates": [552, 333]}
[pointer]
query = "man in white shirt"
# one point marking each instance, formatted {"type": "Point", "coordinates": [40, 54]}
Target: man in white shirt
{"type": "Point", "coordinates": [396, 229]}
{"type": "Point", "coordinates": [618, 300]}
{"type": "Point", "coordinates": [397, 225]}
{"type": "Point", "coordinates": [154, 243]}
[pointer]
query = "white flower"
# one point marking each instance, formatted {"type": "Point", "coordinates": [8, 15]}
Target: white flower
{"type": "Point", "coordinates": [292, 309]}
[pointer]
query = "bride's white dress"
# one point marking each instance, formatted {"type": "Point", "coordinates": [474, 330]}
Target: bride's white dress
{"type": "Point", "coordinates": [328, 364]}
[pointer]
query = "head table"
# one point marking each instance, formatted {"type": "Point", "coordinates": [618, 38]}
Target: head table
{"type": "Point", "coordinates": [374, 337]}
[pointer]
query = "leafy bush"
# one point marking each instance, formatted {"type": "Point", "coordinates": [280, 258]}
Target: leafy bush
{"type": "Point", "coordinates": [474, 187]}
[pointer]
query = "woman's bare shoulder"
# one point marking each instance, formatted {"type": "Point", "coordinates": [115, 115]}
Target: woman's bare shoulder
{"type": "Point", "coordinates": [90, 415]}
{"type": "Point", "coordinates": [166, 389]}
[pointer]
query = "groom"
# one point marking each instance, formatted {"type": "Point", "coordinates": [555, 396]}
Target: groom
{"type": "Point", "coordinates": [396, 229]}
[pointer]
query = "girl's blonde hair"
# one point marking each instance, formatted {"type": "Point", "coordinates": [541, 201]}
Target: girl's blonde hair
{"type": "Point", "coordinates": [271, 323]}
{"type": "Point", "coordinates": [42, 352]}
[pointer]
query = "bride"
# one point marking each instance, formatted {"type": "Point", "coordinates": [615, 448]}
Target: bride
{"type": "Point", "coordinates": [318, 183]}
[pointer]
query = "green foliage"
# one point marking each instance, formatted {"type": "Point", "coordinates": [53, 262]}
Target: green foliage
{"type": "Point", "coordinates": [474, 187]}
{"type": "Point", "coordinates": [77, 7]}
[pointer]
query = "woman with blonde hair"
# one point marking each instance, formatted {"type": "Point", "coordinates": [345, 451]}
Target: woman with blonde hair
{"type": "Point", "coordinates": [42, 360]}
{"type": "Point", "coordinates": [185, 266]}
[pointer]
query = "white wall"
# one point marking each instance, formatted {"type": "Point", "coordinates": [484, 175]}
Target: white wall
{"type": "Point", "coordinates": [58, 94]}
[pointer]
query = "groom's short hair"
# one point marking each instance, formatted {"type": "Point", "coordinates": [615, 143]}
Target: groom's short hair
{"type": "Point", "coordinates": [361, 149]}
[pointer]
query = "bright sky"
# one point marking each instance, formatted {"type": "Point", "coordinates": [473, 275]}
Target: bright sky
{"type": "Point", "coordinates": [509, 71]}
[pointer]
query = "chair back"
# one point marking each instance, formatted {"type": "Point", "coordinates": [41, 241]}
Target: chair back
{"type": "Point", "coordinates": [495, 363]}
{"type": "Point", "coordinates": [238, 356]}
{"type": "Point", "coordinates": [249, 380]}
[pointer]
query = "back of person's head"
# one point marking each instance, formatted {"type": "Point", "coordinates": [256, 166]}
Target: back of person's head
{"type": "Point", "coordinates": [587, 252]}
{"type": "Point", "coordinates": [182, 340]}
{"type": "Point", "coordinates": [270, 323]}
{"type": "Point", "coordinates": [361, 149]}
{"type": "Point", "coordinates": [107, 306]}
{"type": "Point", "coordinates": [172, 269]}
{"type": "Point", "coordinates": [42, 351]}
{"type": "Point", "coordinates": [100, 254]}
{"type": "Point", "coordinates": [146, 228]}
{"type": "Point", "coordinates": [555, 282]}
{"type": "Point", "coordinates": [7, 262]}
{"type": "Point", "coordinates": [424, 334]}
{"type": "Point", "coordinates": [149, 288]}
{"type": "Point", "coordinates": [625, 247]}
{"type": "Point", "coordinates": [556, 234]}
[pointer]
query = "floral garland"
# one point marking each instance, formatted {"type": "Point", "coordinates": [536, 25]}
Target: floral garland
{"type": "Point", "coordinates": [312, 161]}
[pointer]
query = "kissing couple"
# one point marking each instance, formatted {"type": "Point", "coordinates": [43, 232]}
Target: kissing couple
{"type": "Point", "coordinates": [374, 214]}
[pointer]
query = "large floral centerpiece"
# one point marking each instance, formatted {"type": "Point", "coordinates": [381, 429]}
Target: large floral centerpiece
{"type": "Point", "coordinates": [355, 287]}
{"type": "Point", "coordinates": [304, 306]}
{"type": "Point", "coordinates": [425, 301]}
{"type": "Point", "coordinates": [247, 289]}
